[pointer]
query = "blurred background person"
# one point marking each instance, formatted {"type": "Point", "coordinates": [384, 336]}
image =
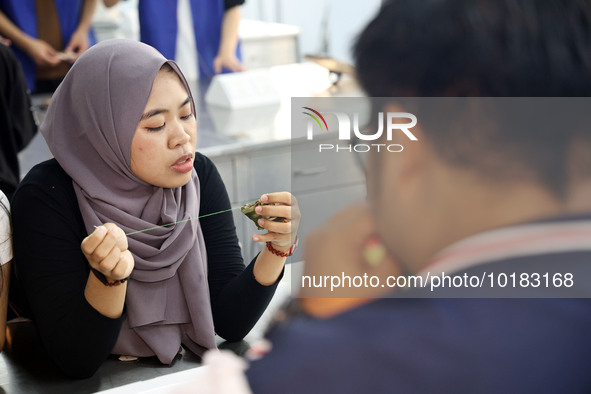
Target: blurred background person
{"type": "Point", "coordinates": [47, 36]}
{"type": "Point", "coordinates": [17, 124]}
{"type": "Point", "coordinates": [200, 35]}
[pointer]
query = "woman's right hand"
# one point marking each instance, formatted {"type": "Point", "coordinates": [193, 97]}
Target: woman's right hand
{"type": "Point", "coordinates": [106, 251]}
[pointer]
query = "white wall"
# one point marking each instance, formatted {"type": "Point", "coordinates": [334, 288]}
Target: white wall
{"type": "Point", "coordinates": [345, 21]}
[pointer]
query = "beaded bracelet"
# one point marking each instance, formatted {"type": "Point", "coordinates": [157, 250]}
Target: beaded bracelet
{"type": "Point", "coordinates": [279, 253]}
{"type": "Point", "coordinates": [103, 279]}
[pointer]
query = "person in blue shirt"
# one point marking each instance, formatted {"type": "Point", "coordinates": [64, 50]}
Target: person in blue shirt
{"type": "Point", "coordinates": [197, 34]}
{"type": "Point", "coordinates": [40, 29]}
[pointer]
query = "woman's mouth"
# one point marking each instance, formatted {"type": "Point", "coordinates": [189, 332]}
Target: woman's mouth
{"type": "Point", "coordinates": [184, 164]}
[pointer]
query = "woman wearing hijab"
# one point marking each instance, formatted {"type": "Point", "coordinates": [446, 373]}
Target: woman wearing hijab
{"type": "Point", "coordinates": [122, 129]}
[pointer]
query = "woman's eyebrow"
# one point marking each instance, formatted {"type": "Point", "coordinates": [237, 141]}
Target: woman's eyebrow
{"type": "Point", "coordinates": [187, 101]}
{"type": "Point", "coordinates": [155, 112]}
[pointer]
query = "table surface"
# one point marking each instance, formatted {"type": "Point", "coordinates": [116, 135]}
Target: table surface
{"type": "Point", "coordinates": [26, 368]}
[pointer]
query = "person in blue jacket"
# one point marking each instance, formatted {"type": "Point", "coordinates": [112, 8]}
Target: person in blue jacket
{"type": "Point", "coordinates": [202, 32]}
{"type": "Point", "coordinates": [64, 26]}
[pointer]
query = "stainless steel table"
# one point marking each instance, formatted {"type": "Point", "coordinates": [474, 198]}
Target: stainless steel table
{"type": "Point", "coordinates": [26, 368]}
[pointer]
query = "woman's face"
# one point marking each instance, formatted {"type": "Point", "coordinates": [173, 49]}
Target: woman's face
{"type": "Point", "coordinates": [163, 147]}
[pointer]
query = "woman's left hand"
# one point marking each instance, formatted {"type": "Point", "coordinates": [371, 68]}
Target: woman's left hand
{"type": "Point", "coordinates": [280, 234]}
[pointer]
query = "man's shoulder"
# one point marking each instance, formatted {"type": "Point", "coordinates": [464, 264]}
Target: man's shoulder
{"type": "Point", "coordinates": [417, 320]}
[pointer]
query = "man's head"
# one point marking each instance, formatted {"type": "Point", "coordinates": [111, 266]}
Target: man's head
{"type": "Point", "coordinates": [456, 181]}
{"type": "Point", "coordinates": [502, 48]}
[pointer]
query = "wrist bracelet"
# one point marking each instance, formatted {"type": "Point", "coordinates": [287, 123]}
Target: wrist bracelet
{"type": "Point", "coordinates": [279, 253]}
{"type": "Point", "coordinates": [103, 279]}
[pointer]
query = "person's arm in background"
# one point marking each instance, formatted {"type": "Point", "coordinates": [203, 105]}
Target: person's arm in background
{"type": "Point", "coordinates": [79, 40]}
{"type": "Point", "coordinates": [23, 126]}
{"type": "Point", "coordinates": [110, 3]}
{"type": "Point", "coordinates": [226, 56]}
{"type": "Point", "coordinates": [40, 51]}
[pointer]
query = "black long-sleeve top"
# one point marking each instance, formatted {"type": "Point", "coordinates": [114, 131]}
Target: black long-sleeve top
{"type": "Point", "coordinates": [51, 271]}
{"type": "Point", "coordinates": [16, 118]}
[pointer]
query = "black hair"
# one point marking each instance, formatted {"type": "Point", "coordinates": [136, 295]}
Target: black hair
{"type": "Point", "coordinates": [494, 48]}
{"type": "Point", "coordinates": [487, 48]}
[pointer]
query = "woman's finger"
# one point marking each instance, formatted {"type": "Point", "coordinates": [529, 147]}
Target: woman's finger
{"type": "Point", "coordinates": [285, 198]}
{"type": "Point", "coordinates": [123, 267]}
{"type": "Point", "coordinates": [275, 227]}
{"type": "Point", "coordinates": [90, 243]}
{"type": "Point", "coordinates": [105, 247]}
{"type": "Point", "coordinates": [277, 238]}
{"type": "Point", "coordinates": [282, 211]}
{"type": "Point", "coordinates": [119, 234]}
{"type": "Point", "coordinates": [107, 264]}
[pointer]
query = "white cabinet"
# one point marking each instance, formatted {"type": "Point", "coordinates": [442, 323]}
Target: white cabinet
{"type": "Point", "coordinates": [267, 44]}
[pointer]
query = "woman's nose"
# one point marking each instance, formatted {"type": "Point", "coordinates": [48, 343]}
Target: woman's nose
{"type": "Point", "coordinates": [179, 136]}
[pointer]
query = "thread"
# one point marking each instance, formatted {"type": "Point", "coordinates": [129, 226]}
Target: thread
{"type": "Point", "coordinates": [182, 221]}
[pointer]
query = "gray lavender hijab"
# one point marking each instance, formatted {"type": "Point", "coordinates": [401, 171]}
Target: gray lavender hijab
{"type": "Point", "coordinates": [89, 127]}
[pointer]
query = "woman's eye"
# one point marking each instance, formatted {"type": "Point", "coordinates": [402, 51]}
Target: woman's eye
{"type": "Point", "coordinates": [155, 128]}
{"type": "Point", "coordinates": [186, 117]}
